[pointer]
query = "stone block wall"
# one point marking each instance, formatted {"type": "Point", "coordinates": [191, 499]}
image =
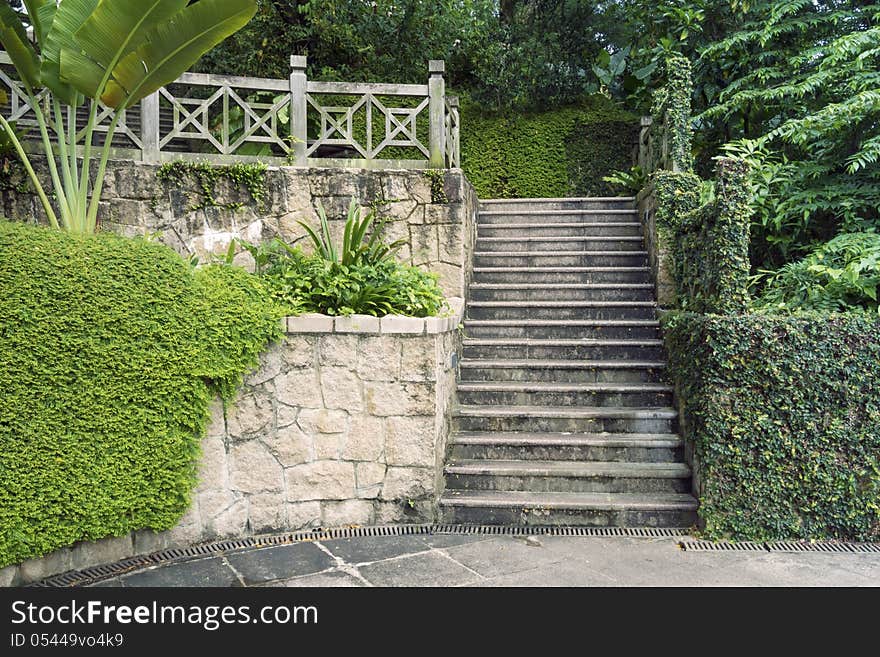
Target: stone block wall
{"type": "Point", "coordinates": [659, 246]}
{"type": "Point", "coordinates": [345, 422]}
{"type": "Point", "coordinates": [438, 228]}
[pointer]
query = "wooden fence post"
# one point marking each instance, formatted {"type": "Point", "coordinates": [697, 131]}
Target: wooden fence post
{"type": "Point", "coordinates": [298, 108]}
{"type": "Point", "coordinates": [150, 127]}
{"type": "Point", "coordinates": [437, 113]}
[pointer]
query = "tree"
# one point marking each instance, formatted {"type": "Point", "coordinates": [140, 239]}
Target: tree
{"type": "Point", "coordinates": [115, 51]}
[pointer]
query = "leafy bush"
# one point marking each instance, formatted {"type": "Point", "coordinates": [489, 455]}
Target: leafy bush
{"type": "Point", "coordinates": [564, 152]}
{"type": "Point", "coordinates": [841, 274]}
{"type": "Point", "coordinates": [110, 352]}
{"type": "Point", "coordinates": [360, 276]}
{"type": "Point", "coordinates": [784, 413]}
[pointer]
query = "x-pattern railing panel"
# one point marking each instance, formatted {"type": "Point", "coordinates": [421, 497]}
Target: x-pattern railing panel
{"type": "Point", "coordinates": [341, 125]}
{"type": "Point", "coordinates": [228, 116]}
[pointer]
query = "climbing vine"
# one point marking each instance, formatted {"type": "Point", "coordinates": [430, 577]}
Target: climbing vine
{"type": "Point", "coordinates": [252, 177]}
{"type": "Point", "coordinates": [437, 178]}
{"type": "Point", "coordinates": [672, 109]}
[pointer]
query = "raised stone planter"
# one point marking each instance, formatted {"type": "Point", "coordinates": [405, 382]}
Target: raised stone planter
{"type": "Point", "coordinates": [344, 423]}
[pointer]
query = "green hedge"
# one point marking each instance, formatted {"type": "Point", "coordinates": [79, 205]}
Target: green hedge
{"type": "Point", "coordinates": [563, 152]}
{"type": "Point", "coordinates": [784, 413]}
{"type": "Point", "coordinates": [709, 243]}
{"type": "Point", "coordinates": [110, 352]}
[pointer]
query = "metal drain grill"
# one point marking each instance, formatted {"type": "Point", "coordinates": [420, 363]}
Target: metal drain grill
{"type": "Point", "coordinates": [781, 546]}
{"type": "Point", "coordinates": [722, 546]}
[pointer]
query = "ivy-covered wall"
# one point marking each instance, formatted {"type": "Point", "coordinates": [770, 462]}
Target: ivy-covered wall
{"type": "Point", "coordinates": [784, 416]}
{"type": "Point", "coordinates": [708, 244]}
{"type": "Point", "coordinates": [563, 152]}
{"type": "Point", "coordinates": [110, 351]}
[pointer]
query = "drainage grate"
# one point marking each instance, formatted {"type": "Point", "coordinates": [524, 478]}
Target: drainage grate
{"type": "Point", "coordinates": [781, 546]}
{"type": "Point", "coordinates": [722, 546]}
{"type": "Point", "coordinates": [822, 546]}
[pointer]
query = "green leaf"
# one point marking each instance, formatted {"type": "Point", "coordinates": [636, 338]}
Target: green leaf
{"type": "Point", "coordinates": [14, 39]}
{"type": "Point", "coordinates": [172, 47]}
{"type": "Point", "coordinates": [117, 28]}
{"type": "Point", "coordinates": [69, 17]}
{"type": "Point", "coordinates": [35, 10]}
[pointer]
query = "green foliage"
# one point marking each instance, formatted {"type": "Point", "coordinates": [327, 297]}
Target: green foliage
{"type": "Point", "coordinates": [784, 413]}
{"type": "Point", "coordinates": [671, 112]}
{"type": "Point", "coordinates": [206, 176]}
{"type": "Point", "coordinates": [437, 178]}
{"type": "Point", "coordinates": [358, 247]}
{"type": "Point", "coordinates": [563, 152]}
{"type": "Point", "coordinates": [628, 182]}
{"type": "Point", "coordinates": [110, 352]}
{"type": "Point", "coordinates": [799, 90]}
{"type": "Point", "coordinates": [114, 51]}
{"type": "Point", "coordinates": [709, 242]}
{"type": "Point", "coordinates": [839, 275]}
{"type": "Point", "coordinates": [312, 284]}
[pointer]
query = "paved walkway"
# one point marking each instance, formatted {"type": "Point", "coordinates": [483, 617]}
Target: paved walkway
{"type": "Point", "coordinates": [456, 560]}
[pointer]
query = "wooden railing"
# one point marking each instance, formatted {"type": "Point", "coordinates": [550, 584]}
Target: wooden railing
{"type": "Point", "coordinates": [299, 122]}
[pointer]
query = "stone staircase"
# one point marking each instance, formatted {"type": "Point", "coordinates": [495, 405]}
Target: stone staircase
{"type": "Point", "coordinates": [564, 415]}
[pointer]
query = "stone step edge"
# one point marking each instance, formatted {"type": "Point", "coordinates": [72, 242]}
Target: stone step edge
{"type": "Point", "coordinates": [526, 363]}
{"type": "Point", "coordinates": [556, 213]}
{"type": "Point", "coordinates": [649, 323]}
{"type": "Point", "coordinates": [561, 303]}
{"type": "Point", "coordinates": [569, 469]}
{"type": "Point", "coordinates": [565, 199]}
{"type": "Point", "coordinates": [537, 342]}
{"type": "Point", "coordinates": [568, 412]}
{"type": "Point", "coordinates": [561, 286]}
{"type": "Point", "coordinates": [552, 386]}
{"type": "Point", "coordinates": [564, 238]}
{"type": "Point", "coordinates": [556, 439]}
{"type": "Point", "coordinates": [569, 224]}
{"type": "Point", "coordinates": [571, 501]}
{"type": "Point", "coordinates": [557, 254]}
{"type": "Point", "coordinates": [559, 270]}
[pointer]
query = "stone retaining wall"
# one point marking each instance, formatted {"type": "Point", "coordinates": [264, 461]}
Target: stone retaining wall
{"type": "Point", "coordinates": [659, 248]}
{"type": "Point", "coordinates": [438, 227]}
{"type": "Point", "coordinates": [344, 423]}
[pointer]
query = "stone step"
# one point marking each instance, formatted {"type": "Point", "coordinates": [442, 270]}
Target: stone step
{"type": "Point", "coordinates": [553, 274]}
{"type": "Point", "coordinates": [559, 419]}
{"type": "Point", "coordinates": [562, 310]}
{"type": "Point", "coordinates": [582, 509]}
{"type": "Point", "coordinates": [581, 229]}
{"type": "Point", "coordinates": [568, 476]}
{"type": "Point", "coordinates": [562, 371]}
{"type": "Point", "coordinates": [624, 329]}
{"type": "Point", "coordinates": [582, 258]}
{"type": "Point", "coordinates": [585, 349]}
{"type": "Point", "coordinates": [577, 203]}
{"type": "Point", "coordinates": [532, 216]}
{"type": "Point", "coordinates": [561, 291]}
{"type": "Point", "coordinates": [533, 244]}
{"type": "Point", "coordinates": [622, 447]}
{"type": "Point", "coordinates": [551, 393]}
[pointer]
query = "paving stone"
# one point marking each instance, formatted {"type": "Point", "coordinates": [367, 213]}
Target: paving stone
{"type": "Point", "coordinates": [331, 578]}
{"type": "Point", "coordinates": [425, 569]}
{"type": "Point", "coordinates": [502, 556]}
{"type": "Point", "coordinates": [204, 572]}
{"type": "Point", "coordinates": [368, 549]}
{"type": "Point", "coordinates": [283, 561]}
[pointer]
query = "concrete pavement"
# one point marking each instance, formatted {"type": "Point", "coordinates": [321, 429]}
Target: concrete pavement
{"type": "Point", "coordinates": [482, 560]}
